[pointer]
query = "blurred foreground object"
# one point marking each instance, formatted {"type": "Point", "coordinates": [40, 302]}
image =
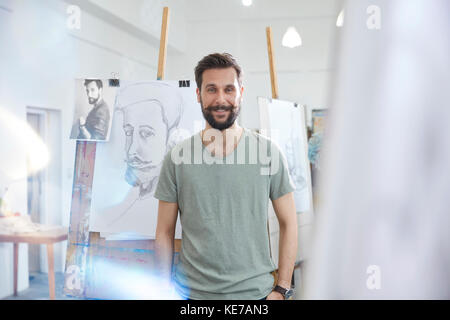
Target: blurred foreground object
{"type": "Point", "coordinates": [382, 230]}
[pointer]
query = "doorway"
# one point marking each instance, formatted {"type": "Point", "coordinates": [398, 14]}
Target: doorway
{"type": "Point", "coordinates": [35, 193]}
{"type": "Point", "coordinates": [44, 196]}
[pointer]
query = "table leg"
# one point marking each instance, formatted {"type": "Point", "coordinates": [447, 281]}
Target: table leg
{"type": "Point", "coordinates": [16, 266]}
{"type": "Point", "coordinates": [51, 271]}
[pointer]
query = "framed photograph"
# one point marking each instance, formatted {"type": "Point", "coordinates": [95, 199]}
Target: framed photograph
{"type": "Point", "coordinates": [94, 109]}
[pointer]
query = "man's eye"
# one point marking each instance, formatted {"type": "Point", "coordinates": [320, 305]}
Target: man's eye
{"type": "Point", "coordinates": [211, 90]}
{"type": "Point", "coordinates": [146, 133]}
{"type": "Point", "coordinates": [128, 132]}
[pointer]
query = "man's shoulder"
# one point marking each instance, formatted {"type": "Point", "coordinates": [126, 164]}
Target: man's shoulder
{"type": "Point", "coordinates": [185, 143]}
{"type": "Point", "coordinates": [101, 109]}
{"type": "Point", "coordinates": [103, 106]}
{"type": "Point", "coordinates": [263, 139]}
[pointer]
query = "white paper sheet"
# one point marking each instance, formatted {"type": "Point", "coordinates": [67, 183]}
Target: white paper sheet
{"type": "Point", "coordinates": [284, 122]}
{"type": "Point", "coordinates": [138, 142]}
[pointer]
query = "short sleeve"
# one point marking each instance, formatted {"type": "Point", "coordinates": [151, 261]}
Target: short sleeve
{"type": "Point", "coordinates": [166, 189]}
{"type": "Point", "coordinates": [280, 180]}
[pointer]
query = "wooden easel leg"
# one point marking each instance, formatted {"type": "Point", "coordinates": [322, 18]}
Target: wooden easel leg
{"type": "Point", "coordinates": [16, 266]}
{"type": "Point", "coordinates": [51, 271]}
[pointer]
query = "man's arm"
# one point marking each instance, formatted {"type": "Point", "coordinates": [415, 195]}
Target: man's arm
{"type": "Point", "coordinates": [287, 218]}
{"type": "Point", "coordinates": [165, 234]}
{"type": "Point", "coordinates": [84, 133]}
{"type": "Point", "coordinates": [99, 123]}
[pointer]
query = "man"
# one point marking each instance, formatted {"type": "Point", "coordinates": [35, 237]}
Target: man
{"type": "Point", "coordinates": [96, 124]}
{"type": "Point", "coordinates": [223, 207]}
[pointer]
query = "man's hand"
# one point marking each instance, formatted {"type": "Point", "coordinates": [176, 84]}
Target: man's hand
{"type": "Point", "coordinates": [275, 296]}
{"type": "Point", "coordinates": [82, 121]}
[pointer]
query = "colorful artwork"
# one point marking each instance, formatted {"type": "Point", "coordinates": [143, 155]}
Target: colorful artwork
{"type": "Point", "coordinates": [318, 120]}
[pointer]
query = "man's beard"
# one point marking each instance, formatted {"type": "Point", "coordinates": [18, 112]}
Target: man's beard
{"type": "Point", "coordinates": [143, 179]}
{"type": "Point", "coordinates": [138, 171]}
{"type": "Point", "coordinates": [207, 114]}
{"type": "Point", "coordinates": [93, 100]}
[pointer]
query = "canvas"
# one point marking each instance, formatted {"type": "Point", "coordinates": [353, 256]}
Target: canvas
{"type": "Point", "coordinates": [283, 122]}
{"type": "Point", "coordinates": [150, 118]}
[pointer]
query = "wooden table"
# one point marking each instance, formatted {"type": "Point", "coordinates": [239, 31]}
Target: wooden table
{"type": "Point", "coordinates": [42, 237]}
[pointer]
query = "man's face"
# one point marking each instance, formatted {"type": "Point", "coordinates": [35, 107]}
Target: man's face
{"type": "Point", "coordinates": [145, 144]}
{"type": "Point", "coordinates": [220, 97]}
{"type": "Point", "coordinates": [93, 92]}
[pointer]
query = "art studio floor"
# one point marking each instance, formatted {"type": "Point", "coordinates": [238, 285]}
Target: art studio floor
{"type": "Point", "coordinates": [38, 289]}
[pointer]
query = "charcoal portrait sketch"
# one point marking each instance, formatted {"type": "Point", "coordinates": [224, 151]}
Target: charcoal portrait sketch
{"type": "Point", "coordinates": [151, 117]}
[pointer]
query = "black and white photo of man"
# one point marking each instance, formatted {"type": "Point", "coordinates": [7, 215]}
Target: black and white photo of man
{"type": "Point", "coordinates": [96, 124]}
{"type": "Point", "coordinates": [93, 109]}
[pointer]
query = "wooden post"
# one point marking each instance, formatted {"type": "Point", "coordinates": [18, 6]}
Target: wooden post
{"type": "Point", "coordinates": [163, 44]}
{"type": "Point", "coordinates": [160, 75]}
{"type": "Point", "coordinates": [273, 74]}
{"type": "Point", "coordinates": [51, 271]}
{"type": "Point", "coordinates": [274, 85]}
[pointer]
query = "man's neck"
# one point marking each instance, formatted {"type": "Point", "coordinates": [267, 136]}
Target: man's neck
{"type": "Point", "coordinates": [221, 142]}
{"type": "Point", "coordinates": [99, 102]}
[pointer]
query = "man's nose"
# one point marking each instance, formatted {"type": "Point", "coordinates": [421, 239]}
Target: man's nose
{"type": "Point", "coordinates": [221, 98]}
{"type": "Point", "coordinates": [133, 145]}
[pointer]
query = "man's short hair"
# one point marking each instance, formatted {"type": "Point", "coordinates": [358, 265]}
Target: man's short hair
{"type": "Point", "coordinates": [216, 61]}
{"type": "Point", "coordinates": [97, 81]}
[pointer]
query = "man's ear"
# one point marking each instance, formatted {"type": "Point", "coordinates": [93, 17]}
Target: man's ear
{"type": "Point", "coordinates": [242, 91]}
{"type": "Point", "coordinates": [198, 94]}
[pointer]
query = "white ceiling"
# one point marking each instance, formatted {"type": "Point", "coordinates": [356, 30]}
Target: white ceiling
{"type": "Point", "coordinates": [142, 18]}
{"type": "Point", "coordinates": [261, 9]}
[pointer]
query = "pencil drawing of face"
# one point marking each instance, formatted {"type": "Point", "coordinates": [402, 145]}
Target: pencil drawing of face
{"type": "Point", "coordinates": [145, 141]}
{"type": "Point", "coordinates": [147, 125]}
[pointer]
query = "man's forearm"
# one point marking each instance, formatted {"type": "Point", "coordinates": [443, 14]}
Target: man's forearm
{"type": "Point", "coordinates": [85, 133]}
{"type": "Point", "coordinates": [287, 254]}
{"type": "Point", "coordinates": [164, 255]}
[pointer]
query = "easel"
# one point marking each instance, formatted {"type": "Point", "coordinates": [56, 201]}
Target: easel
{"type": "Point", "coordinates": [86, 248]}
{"type": "Point", "coordinates": [273, 74]}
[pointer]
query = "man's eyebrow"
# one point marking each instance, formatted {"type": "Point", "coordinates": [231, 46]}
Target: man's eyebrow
{"type": "Point", "coordinates": [214, 85]}
{"type": "Point", "coordinates": [147, 126]}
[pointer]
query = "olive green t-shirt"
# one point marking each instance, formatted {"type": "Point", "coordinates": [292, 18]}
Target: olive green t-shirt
{"type": "Point", "coordinates": [223, 204]}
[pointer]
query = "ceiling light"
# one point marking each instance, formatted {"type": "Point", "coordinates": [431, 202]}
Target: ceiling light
{"type": "Point", "coordinates": [247, 3]}
{"type": "Point", "coordinates": [291, 38]}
